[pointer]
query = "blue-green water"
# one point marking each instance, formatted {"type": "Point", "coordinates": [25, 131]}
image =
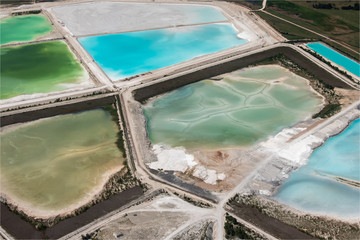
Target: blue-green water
{"type": "Point", "coordinates": [127, 54]}
{"type": "Point", "coordinates": [245, 107]}
{"type": "Point", "coordinates": [313, 188]}
{"type": "Point", "coordinates": [336, 57]}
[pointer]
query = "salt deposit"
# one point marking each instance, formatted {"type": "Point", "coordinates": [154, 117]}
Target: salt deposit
{"type": "Point", "coordinates": [172, 159]}
{"type": "Point", "coordinates": [209, 176]}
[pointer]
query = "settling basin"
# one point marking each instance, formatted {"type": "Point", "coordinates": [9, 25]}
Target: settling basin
{"type": "Point", "coordinates": [23, 28]}
{"type": "Point", "coordinates": [109, 17]}
{"type": "Point", "coordinates": [329, 183]}
{"type": "Point", "coordinates": [234, 109]}
{"type": "Point", "coordinates": [54, 165]}
{"type": "Point", "coordinates": [336, 57]}
{"type": "Point", "coordinates": [39, 68]}
{"type": "Point", "coordinates": [128, 54]}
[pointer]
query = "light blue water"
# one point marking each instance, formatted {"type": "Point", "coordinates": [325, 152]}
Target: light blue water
{"type": "Point", "coordinates": [336, 57]}
{"type": "Point", "coordinates": [127, 54]}
{"type": "Point", "coordinates": [312, 188]}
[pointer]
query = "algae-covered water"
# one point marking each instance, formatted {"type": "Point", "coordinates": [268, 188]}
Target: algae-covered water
{"type": "Point", "coordinates": [127, 54]}
{"type": "Point", "coordinates": [52, 163]}
{"type": "Point", "coordinates": [38, 68]}
{"type": "Point", "coordinates": [314, 188]}
{"type": "Point", "coordinates": [23, 28]}
{"type": "Point", "coordinates": [244, 107]}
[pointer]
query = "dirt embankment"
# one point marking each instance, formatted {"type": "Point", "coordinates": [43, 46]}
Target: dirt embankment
{"type": "Point", "coordinates": [145, 92]}
{"type": "Point", "coordinates": [21, 229]}
{"type": "Point", "coordinates": [269, 224]}
{"type": "Point", "coordinates": [285, 222]}
{"type": "Point", "coordinates": [50, 110]}
{"type": "Point", "coordinates": [112, 196]}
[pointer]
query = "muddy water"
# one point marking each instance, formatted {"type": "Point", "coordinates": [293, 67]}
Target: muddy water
{"type": "Point", "coordinates": [53, 163]}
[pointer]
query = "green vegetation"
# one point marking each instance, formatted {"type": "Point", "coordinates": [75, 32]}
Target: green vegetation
{"type": "Point", "coordinates": [235, 229]}
{"type": "Point", "coordinates": [192, 201]}
{"type": "Point", "coordinates": [252, 4]}
{"type": "Point", "coordinates": [90, 236]}
{"type": "Point", "coordinates": [120, 139]}
{"type": "Point", "coordinates": [289, 31]}
{"type": "Point", "coordinates": [338, 22]}
{"type": "Point", "coordinates": [328, 111]}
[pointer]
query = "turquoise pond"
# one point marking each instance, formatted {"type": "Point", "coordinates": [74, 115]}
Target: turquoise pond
{"type": "Point", "coordinates": [127, 54]}
{"type": "Point", "coordinates": [336, 57]}
{"type": "Point", "coordinates": [313, 187]}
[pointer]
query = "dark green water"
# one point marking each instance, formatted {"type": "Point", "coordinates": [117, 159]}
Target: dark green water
{"type": "Point", "coordinates": [23, 28]}
{"type": "Point", "coordinates": [38, 68]}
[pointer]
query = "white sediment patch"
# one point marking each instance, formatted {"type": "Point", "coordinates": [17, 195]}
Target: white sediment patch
{"type": "Point", "coordinates": [109, 17]}
{"type": "Point", "coordinates": [172, 159]}
{"type": "Point", "coordinates": [208, 176]}
{"type": "Point", "coordinates": [246, 35]}
{"type": "Point", "coordinates": [279, 139]}
{"type": "Point", "coordinates": [70, 87]}
{"type": "Point", "coordinates": [297, 152]}
{"type": "Point", "coordinates": [176, 159]}
{"type": "Point", "coordinates": [300, 151]}
{"type": "Point", "coordinates": [287, 156]}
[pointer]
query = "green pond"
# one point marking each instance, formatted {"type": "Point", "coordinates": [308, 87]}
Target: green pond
{"type": "Point", "coordinates": [52, 163]}
{"type": "Point", "coordinates": [246, 106]}
{"type": "Point", "coordinates": [23, 28]}
{"type": "Point", "coordinates": [38, 68]}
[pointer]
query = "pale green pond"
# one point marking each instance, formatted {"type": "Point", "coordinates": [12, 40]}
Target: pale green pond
{"type": "Point", "coordinates": [54, 163]}
{"type": "Point", "coordinates": [246, 106]}
{"type": "Point", "coordinates": [23, 28]}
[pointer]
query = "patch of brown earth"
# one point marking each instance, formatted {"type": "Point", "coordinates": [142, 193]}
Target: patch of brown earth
{"type": "Point", "coordinates": [236, 164]}
{"type": "Point", "coordinates": [349, 96]}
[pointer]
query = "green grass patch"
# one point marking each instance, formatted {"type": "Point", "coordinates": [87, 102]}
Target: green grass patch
{"type": "Point", "coordinates": [252, 4]}
{"type": "Point", "coordinates": [289, 31]}
{"type": "Point", "coordinates": [340, 25]}
{"type": "Point", "coordinates": [234, 229]}
{"type": "Point", "coordinates": [328, 111]}
{"type": "Point", "coordinates": [319, 19]}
